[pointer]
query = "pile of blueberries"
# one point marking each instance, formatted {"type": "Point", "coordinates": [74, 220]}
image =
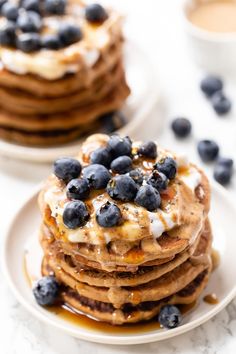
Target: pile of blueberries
{"type": "Point", "coordinates": [111, 168]}
{"type": "Point", "coordinates": [208, 149]}
{"type": "Point", "coordinates": [24, 22]}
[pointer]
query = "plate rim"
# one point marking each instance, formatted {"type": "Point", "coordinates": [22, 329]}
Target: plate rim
{"type": "Point", "coordinates": [100, 337]}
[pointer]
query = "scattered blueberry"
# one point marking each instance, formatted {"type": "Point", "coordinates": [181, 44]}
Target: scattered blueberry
{"type": "Point", "coordinates": [97, 176]}
{"type": "Point", "coordinates": [10, 11]}
{"type": "Point", "coordinates": [109, 215]}
{"type": "Point", "coordinates": [7, 34]}
{"type": "Point", "coordinates": [136, 175]}
{"type": "Point", "coordinates": [225, 161]}
{"type": "Point", "coordinates": [2, 2]}
{"type": "Point", "coordinates": [170, 316]}
{"type": "Point", "coordinates": [148, 149]}
{"type": "Point", "coordinates": [122, 187]}
{"type": "Point", "coordinates": [222, 174]}
{"type": "Point", "coordinates": [29, 21]}
{"type": "Point", "coordinates": [101, 156]}
{"type": "Point", "coordinates": [112, 121]}
{"type": "Point", "coordinates": [69, 33]}
{"type": "Point", "coordinates": [181, 127]}
{"type": "Point", "coordinates": [55, 7]}
{"type": "Point", "coordinates": [158, 180]}
{"type": "Point", "coordinates": [78, 188]}
{"type": "Point", "coordinates": [66, 168]}
{"type": "Point", "coordinates": [95, 13]}
{"type": "Point", "coordinates": [211, 84]}
{"type": "Point", "coordinates": [121, 164]}
{"type": "Point", "coordinates": [51, 41]}
{"type": "Point", "coordinates": [28, 42]}
{"type": "Point", "coordinates": [119, 146]}
{"type": "Point", "coordinates": [208, 150]}
{"type": "Point", "coordinates": [167, 166]}
{"type": "Point", "coordinates": [31, 5]}
{"type": "Point", "coordinates": [221, 103]}
{"type": "Point", "coordinates": [75, 214]}
{"type": "Point", "coordinates": [148, 197]}
{"type": "Point", "coordinates": [46, 291]}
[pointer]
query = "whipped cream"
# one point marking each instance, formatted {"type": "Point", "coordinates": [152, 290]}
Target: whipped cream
{"type": "Point", "coordinates": [192, 178]}
{"type": "Point", "coordinates": [161, 221]}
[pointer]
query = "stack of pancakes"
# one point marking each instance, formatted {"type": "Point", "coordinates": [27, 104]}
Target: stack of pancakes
{"type": "Point", "coordinates": [54, 96]}
{"type": "Point", "coordinates": [126, 273]}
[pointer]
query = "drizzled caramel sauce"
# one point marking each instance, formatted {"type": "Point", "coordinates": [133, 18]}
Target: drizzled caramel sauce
{"type": "Point", "coordinates": [211, 299]}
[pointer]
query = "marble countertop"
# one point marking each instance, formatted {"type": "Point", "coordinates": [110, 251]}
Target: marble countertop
{"type": "Point", "coordinates": [156, 25]}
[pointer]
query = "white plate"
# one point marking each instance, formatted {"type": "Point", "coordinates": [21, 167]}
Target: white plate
{"type": "Point", "coordinates": [24, 226]}
{"type": "Point", "coordinates": [140, 105]}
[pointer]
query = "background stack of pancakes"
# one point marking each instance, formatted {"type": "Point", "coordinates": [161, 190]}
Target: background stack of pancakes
{"type": "Point", "coordinates": [49, 96]}
{"type": "Point", "coordinates": [126, 273]}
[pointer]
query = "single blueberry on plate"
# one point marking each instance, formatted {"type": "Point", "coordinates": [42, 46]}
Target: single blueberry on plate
{"type": "Point", "coordinates": [8, 34]}
{"type": "Point", "coordinates": [10, 11]}
{"type": "Point", "coordinates": [75, 214]}
{"type": "Point", "coordinates": [121, 164]}
{"type": "Point", "coordinates": [181, 127]}
{"type": "Point", "coordinates": [137, 175]}
{"type": "Point", "coordinates": [119, 146]}
{"type": "Point", "coordinates": [54, 7]}
{"type": "Point", "coordinates": [51, 41]}
{"type": "Point", "coordinates": [167, 166]}
{"type": "Point", "coordinates": [170, 316]}
{"type": "Point", "coordinates": [211, 84]}
{"type": "Point", "coordinates": [31, 5]}
{"type": "Point", "coordinates": [28, 42]}
{"type": "Point", "coordinates": [220, 103]}
{"type": "Point", "coordinates": [78, 188]}
{"type": "Point", "coordinates": [69, 33]}
{"type": "Point", "coordinates": [109, 215]}
{"type": "Point", "coordinates": [101, 156]}
{"type": "Point", "coordinates": [158, 180]}
{"type": "Point", "coordinates": [225, 161]}
{"type": "Point", "coordinates": [95, 13]}
{"type": "Point", "coordinates": [97, 176]}
{"type": "Point", "coordinates": [67, 168]}
{"type": "Point", "coordinates": [46, 291]}
{"type": "Point", "coordinates": [148, 197]}
{"type": "Point", "coordinates": [112, 121]}
{"type": "Point", "coordinates": [122, 187]}
{"type": "Point", "coordinates": [223, 174]}
{"type": "Point", "coordinates": [29, 21]}
{"type": "Point", "coordinates": [148, 149]}
{"type": "Point", "coordinates": [208, 150]}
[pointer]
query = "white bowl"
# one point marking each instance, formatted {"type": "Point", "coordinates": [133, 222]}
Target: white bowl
{"type": "Point", "coordinates": [214, 52]}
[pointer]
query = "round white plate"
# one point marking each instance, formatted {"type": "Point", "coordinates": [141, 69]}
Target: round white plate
{"type": "Point", "coordinates": [24, 227]}
{"type": "Point", "coordinates": [140, 105]}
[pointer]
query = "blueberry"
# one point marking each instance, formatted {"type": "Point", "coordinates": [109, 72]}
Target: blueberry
{"type": "Point", "coordinates": [119, 146]}
{"type": "Point", "coordinates": [148, 197]}
{"type": "Point", "coordinates": [97, 176]}
{"type": "Point", "coordinates": [28, 42]}
{"type": "Point", "coordinates": [158, 180]}
{"type": "Point", "coordinates": [29, 21]}
{"type": "Point", "coordinates": [78, 188]}
{"type": "Point", "coordinates": [101, 156]}
{"type": "Point", "coordinates": [51, 41]}
{"type": "Point", "coordinates": [220, 103]}
{"type": "Point", "coordinates": [69, 34]}
{"type": "Point", "coordinates": [148, 149]}
{"type": "Point", "coordinates": [181, 127]}
{"type": "Point", "coordinates": [225, 161]}
{"type": "Point", "coordinates": [75, 214]}
{"type": "Point", "coordinates": [208, 150]}
{"type": "Point", "coordinates": [167, 166]}
{"type": "Point", "coordinates": [66, 168]}
{"type": "Point", "coordinates": [109, 215]}
{"type": "Point", "coordinates": [112, 121]}
{"type": "Point", "coordinates": [95, 13]}
{"type": "Point", "coordinates": [170, 316]}
{"type": "Point", "coordinates": [121, 164]}
{"type": "Point", "coordinates": [55, 7]}
{"type": "Point", "coordinates": [10, 11]}
{"type": "Point", "coordinates": [46, 291]}
{"type": "Point", "coordinates": [2, 2]}
{"type": "Point", "coordinates": [137, 176]}
{"type": "Point", "coordinates": [8, 34]}
{"type": "Point", "coordinates": [31, 5]}
{"type": "Point", "coordinates": [211, 84]}
{"type": "Point", "coordinates": [223, 174]}
{"type": "Point", "coordinates": [122, 188]}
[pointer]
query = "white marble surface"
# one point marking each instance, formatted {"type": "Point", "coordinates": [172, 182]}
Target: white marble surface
{"type": "Point", "coordinates": [156, 24]}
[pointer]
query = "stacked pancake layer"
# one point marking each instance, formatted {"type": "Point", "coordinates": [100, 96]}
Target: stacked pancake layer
{"type": "Point", "coordinates": [125, 274]}
{"type": "Point", "coordinates": [51, 97]}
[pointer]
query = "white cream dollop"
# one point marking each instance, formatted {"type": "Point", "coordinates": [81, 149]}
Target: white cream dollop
{"type": "Point", "coordinates": [160, 222]}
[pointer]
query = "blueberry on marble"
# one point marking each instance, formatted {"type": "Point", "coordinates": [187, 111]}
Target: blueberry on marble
{"type": "Point", "coordinates": [75, 214]}
{"type": "Point", "coordinates": [97, 176]}
{"type": "Point", "coordinates": [170, 316]}
{"type": "Point", "coordinates": [109, 215]}
{"type": "Point", "coordinates": [95, 13]}
{"type": "Point", "coordinates": [181, 127]}
{"type": "Point", "coordinates": [51, 41]}
{"type": "Point", "coordinates": [167, 166]}
{"type": "Point", "coordinates": [158, 180]}
{"type": "Point", "coordinates": [211, 84]}
{"type": "Point", "coordinates": [119, 146]}
{"type": "Point", "coordinates": [8, 34]}
{"type": "Point", "coordinates": [148, 149]}
{"type": "Point", "coordinates": [137, 175]}
{"type": "Point", "coordinates": [208, 150]}
{"type": "Point", "coordinates": [221, 103]}
{"type": "Point", "coordinates": [69, 33]}
{"type": "Point", "coordinates": [223, 174]}
{"type": "Point", "coordinates": [46, 291]}
{"type": "Point", "coordinates": [148, 197]}
{"type": "Point", "coordinates": [122, 187]}
{"type": "Point", "coordinates": [10, 11]}
{"type": "Point", "coordinates": [67, 168]}
{"type": "Point", "coordinates": [29, 21]}
{"type": "Point", "coordinates": [101, 156]}
{"type": "Point", "coordinates": [28, 42]}
{"type": "Point", "coordinates": [31, 5]}
{"type": "Point", "coordinates": [121, 164]}
{"type": "Point", "coordinates": [78, 188]}
{"type": "Point", "coordinates": [55, 7]}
